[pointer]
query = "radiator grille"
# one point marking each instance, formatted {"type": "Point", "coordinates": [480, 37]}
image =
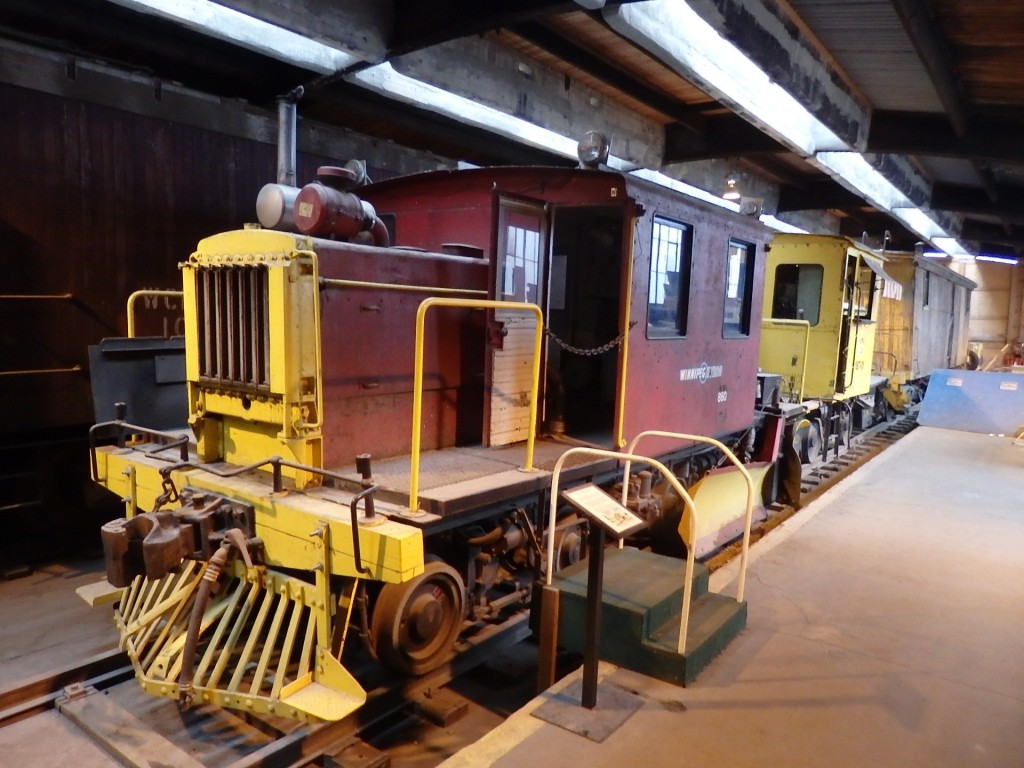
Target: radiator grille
{"type": "Point", "coordinates": [234, 339]}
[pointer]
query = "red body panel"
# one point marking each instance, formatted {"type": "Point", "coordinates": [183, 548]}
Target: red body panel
{"type": "Point", "coordinates": [656, 398]}
{"type": "Point", "coordinates": [368, 333]}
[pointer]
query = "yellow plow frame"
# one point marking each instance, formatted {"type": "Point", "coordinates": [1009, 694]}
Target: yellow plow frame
{"type": "Point", "coordinates": [264, 642]}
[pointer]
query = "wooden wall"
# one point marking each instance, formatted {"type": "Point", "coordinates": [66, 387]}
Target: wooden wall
{"type": "Point", "coordinates": [97, 201]}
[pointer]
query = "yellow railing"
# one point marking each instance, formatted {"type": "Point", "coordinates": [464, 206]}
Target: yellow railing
{"type": "Point", "coordinates": [684, 616]}
{"type": "Point", "coordinates": [417, 381]}
{"type": "Point", "coordinates": [749, 514]}
{"type": "Point", "coordinates": [766, 321]}
{"type": "Point", "coordinates": [138, 295]}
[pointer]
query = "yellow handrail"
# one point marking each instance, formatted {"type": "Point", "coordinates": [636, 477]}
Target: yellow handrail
{"type": "Point", "coordinates": [684, 618]}
{"type": "Point", "coordinates": [749, 515]}
{"type": "Point", "coordinates": [417, 381]}
{"type": "Point", "coordinates": [317, 347]}
{"type": "Point", "coordinates": [807, 340]}
{"type": "Point", "coordinates": [139, 294]}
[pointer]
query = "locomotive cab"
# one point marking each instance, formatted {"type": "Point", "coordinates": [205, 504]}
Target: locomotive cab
{"type": "Point", "coordinates": [824, 294]}
{"type": "Point", "coordinates": [834, 286]}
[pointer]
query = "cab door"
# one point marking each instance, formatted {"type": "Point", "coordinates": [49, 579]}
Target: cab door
{"type": "Point", "coordinates": [856, 344]}
{"type": "Point", "coordinates": [521, 256]}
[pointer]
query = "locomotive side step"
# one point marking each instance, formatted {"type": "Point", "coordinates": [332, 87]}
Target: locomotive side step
{"type": "Point", "coordinates": [641, 602]}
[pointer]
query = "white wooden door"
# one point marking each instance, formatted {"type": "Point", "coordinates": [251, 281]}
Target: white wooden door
{"type": "Point", "coordinates": [521, 255]}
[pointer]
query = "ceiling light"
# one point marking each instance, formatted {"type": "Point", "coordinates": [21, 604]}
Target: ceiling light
{"type": "Point", "coordinates": [732, 192]}
{"type": "Point", "coordinates": [247, 31]}
{"type": "Point", "coordinates": [935, 254]}
{"type": "Point", "coordinates": [953, 247]}
{"type": "Point", "coordinates": [781, 226]}
{"type": "Point", "coordinates": [997, 259]}
{"type": "Point", "coordinates": [678, 35]}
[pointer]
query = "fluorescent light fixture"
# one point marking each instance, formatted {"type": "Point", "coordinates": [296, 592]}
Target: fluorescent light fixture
{"type": "Point", "coordinates": [920, 222]}
{"type": "Point", "coordinates": [935, 254]}
{"type": "Point", "coordinates": [248, 32]}
{"type": "Point", "coordinates": [856, 173]}
{"type": "Point", "coordinates": [661, 179]}
{"type": "Point", "coordinates": [384, 79]}
{"type": "Point", "coordinates": [953, 247]}
{"type": "Point", "coordinates": [678, 35]}
{"type": "Point", "coordinates": [388, 82]}
{"type": "Point", "coordinates": [997, 259]}
{"type": "Point", "coordinates": [781, 226]}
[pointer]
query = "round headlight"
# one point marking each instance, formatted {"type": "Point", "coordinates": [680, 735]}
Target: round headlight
{"type": "Point", "coordinates": [592, 149]}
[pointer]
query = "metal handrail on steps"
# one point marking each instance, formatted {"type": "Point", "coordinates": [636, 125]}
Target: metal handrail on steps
{"type": "Point", "coordinates": [684, 617]}
{"type": "Point", "coordinates": [749, 514]}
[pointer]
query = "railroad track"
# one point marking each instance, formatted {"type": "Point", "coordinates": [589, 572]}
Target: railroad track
{"type": "Point", "coordinates": [103, 701]}
{"type": "Point", "coordinates": [406, 723]}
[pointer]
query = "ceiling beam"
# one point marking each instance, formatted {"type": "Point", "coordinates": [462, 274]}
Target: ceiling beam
{"type": "Point", "coordinates": [421, 23]}
{"type": "Point", "coordinates": [983, 232]}
{"type": "Point", "coordinates": [703, 137]}
{"type": "Point", "coordinates": [599, 67]}
{"type": "Point", "coordinates": [934, 53]}
{"type": "Point", "coordinates": [921, 133]}
{"type": "Point", "coordinates": [818, 196]}
{"type": "Point", "coordinates": [974, 200]}
{"type": "Point", "coordinates": [771, 35]}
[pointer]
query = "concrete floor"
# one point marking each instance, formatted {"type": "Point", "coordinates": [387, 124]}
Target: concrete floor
{"type": "Point", "coordinates": [886, 628]}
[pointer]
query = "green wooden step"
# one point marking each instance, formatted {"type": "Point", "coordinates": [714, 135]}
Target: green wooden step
{"type": "Point", "coordinates": [641, 601]}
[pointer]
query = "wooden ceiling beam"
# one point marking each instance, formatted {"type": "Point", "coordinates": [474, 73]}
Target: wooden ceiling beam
{"type": "Point", "coordinates": [932, 49]}
{"type": "Point", "coordinates": [974, 200]}
{"type": "Point", "coordinates": [703, 137]}
{"type": "Point", "coordinates": [983, 232]}
{"type": "Point", "coordinates": [818, 196]}
{"type": "Point", "coordinates": [600, 68]}
{"type": "Point", "coordinates": [920, 133]}
{"type": "Point", "coordinates": [422, 23]}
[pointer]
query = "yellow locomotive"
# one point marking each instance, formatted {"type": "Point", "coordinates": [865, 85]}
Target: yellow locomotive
{"type": "Point", "coordinates": [823, 297]}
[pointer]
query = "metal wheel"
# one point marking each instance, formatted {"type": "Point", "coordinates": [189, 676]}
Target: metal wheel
{"type": "Point", "coordinates": [846, 428]}
{"type": "Point", "coordinates": [415, 624]}
{"type": "Point", "coordinates": [810, 442]}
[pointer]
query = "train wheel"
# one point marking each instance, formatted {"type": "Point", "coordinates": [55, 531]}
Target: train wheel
{"type": "Point", "coordinates": [810, 442]}
{"type": "Point", "coordinates": [846, 428]}
{"type": "Point", "coordinates": [415, 624]}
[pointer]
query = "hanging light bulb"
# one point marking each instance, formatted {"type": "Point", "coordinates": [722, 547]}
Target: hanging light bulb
{"type": "Point", "coordinates": [731, 190]}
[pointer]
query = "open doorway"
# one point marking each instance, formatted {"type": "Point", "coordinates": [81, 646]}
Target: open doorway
{"type": "Point", "coordinates": [584, 292]}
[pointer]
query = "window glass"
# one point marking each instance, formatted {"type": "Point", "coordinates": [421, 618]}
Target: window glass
{"type": "Point", "coordinates": [668, 296]}
{"type": "Point", "coordinates": [861, 284]}
{"type": "Point", "coordinates": [739, 283]}
{"type": "Point", "coordinates": [520, 277]}
{"type": "Point", "coordinates": [797, 293]}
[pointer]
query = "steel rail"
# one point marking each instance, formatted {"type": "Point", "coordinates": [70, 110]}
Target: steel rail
{"type": "Point", "coordinates": [311, 742]}
{"type": "Point", "coordinates": [38, 694]}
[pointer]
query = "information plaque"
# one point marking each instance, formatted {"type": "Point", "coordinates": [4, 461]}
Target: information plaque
{"type": "Point", "coordinates": [604, 510]}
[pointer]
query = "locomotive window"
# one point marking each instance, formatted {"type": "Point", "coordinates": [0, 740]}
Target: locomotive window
{"type": "Point", "coordinates": [668, 295]}
{"type": "Point", "coordinates": [798, 292]}
{"type": "Point", "coordinates": [521, 276]}
{"type": "Point", "coordinates": [739, 289]}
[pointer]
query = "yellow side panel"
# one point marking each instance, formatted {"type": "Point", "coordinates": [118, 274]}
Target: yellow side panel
{"type": "Point", "coordinates": [392, 551]}
{"type": "Point", "coordinates": [112, 465]}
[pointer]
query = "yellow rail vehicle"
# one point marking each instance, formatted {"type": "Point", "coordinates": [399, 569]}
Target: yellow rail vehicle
{"type": "Point", "coordinates": [822, 301]}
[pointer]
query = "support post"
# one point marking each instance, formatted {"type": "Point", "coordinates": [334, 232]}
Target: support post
{"type": "Point", "coordinates": [592, 638]}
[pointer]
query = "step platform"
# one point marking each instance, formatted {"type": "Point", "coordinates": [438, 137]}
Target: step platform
{"type": "Point", "coordinates": [641, 601]}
